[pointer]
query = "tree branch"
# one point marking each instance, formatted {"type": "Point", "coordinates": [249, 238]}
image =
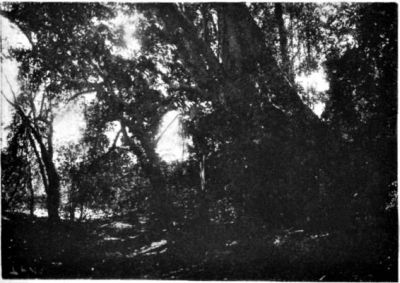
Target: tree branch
{"type": "Point", "coordinates": [87, 91]}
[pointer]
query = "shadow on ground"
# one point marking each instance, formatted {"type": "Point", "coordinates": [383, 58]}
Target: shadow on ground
{"type": "Point", "coordinates": [31, 248]}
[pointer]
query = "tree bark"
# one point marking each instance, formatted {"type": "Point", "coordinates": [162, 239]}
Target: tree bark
{"type": "Point", "coordinates": [283, 42]}
{"type": "Point", "coordinates": [29, 181]}
{"type": "Point", "coordinates": [31, 195]}
{"type": "Point", "coordinates": [150, 163]}
{"type": "Point", "coordinates": [53, 195]}
{"type": "Point", "coordinates": [72, 201]}
{"type": "Point", "coordinates": [253, 61]}
{"type": "Point", "coordinates": [204, 205]}
{"type": "Point", "coordinates": [53, 188]}
{"type": "Point", "coordinates": [72, 213]}
{"type": "Point", "coordinates": [50, 177]}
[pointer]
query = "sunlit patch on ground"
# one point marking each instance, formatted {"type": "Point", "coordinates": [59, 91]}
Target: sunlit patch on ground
{"type": "Point", "coordinates": [108, 238]}
{"type": "Point", "coordinates": [151, 249]}
{"type": "Point", "coordinates": [117, 225]}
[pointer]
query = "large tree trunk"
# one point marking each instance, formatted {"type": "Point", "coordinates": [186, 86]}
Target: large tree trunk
{"type": "Point", "coordinates": [244, 65]}
{"type": "Point", "coordinates": [247, 69]}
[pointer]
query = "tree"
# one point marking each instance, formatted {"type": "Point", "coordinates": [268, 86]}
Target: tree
{"type": "Point", "coordinates": [362, 105]}
{"type": "Point", "coordinates": [86, 64]}
{"type": "Point", "coordinates": [36, 114]}
{"type": "Point", "coordinates": [239, 100]}
{"type": "Point", "coordinates": [17, 172]}
{"type": "Point", "coordinates": [237, 85]}
{"type": "Point", "coordinates": [35, 106]}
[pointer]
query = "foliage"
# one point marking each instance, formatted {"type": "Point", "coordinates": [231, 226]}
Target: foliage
{"type": "Point", "coordinates": [362, 106]}
{"type": "Point", "coordinates": [17, 171]}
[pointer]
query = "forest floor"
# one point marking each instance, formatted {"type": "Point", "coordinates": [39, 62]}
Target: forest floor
{"type": "Point", "coordinates": [104, 249]}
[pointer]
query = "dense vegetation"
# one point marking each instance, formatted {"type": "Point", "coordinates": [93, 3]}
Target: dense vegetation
{"type": "Point", "coordinates": [269, 191]}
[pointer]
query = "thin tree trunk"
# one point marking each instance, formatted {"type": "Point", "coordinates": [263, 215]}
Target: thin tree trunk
{"type": "Point", "coordinates": [72, 213]}
{"type": "Point", "coordinates": [204, 206]}
{"type": "Point", "coordinates": [29, 183]}
{"type": "Point", "coordinates": [53, 193]}
{"type": "Point", "coordinates": [47, 168]}
{"type": "Point", "coordinates": [31, 196]}
{"type": "Point", "coordinates": [81, 211]}
{"type": "Point", "coordinates": [72, 205]}
{"type": "Point", "coordinates": [150, 164]}
{"type": "Point", "coordinates": [283, 42]}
